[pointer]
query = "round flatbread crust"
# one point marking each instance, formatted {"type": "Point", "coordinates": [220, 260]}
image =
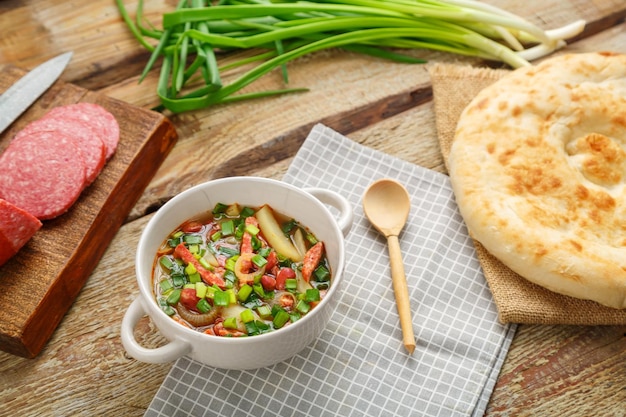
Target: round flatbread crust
{"type": "Point", "coordinates": [538, 168]}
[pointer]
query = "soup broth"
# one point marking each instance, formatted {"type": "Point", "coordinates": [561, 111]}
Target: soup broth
{"type": "Point", "coordinates": [240, 271]}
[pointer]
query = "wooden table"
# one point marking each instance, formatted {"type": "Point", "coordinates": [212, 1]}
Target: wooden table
{"type": "Point", "coordinates": [84, 370]}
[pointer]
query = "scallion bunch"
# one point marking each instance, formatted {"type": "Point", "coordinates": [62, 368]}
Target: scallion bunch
{"type": "Point", "coordinates": [283, 30]}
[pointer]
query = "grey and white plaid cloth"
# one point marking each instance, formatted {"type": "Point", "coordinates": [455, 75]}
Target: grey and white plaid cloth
{"type": "Point", "coordinates": [358, 366]}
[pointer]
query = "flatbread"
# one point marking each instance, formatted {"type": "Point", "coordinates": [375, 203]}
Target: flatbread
{"type": "Point", "coordinates": [538, 167]}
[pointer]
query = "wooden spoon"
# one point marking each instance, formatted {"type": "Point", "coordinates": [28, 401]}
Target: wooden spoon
{"type": "Point", "coordinates": [387, 204]}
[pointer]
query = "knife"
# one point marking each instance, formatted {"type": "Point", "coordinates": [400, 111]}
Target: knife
{"type": "Point", "coordinates": [29, 88]}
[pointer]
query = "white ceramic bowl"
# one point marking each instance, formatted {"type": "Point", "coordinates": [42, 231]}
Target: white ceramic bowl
{"type": "Point", "coordinates": [306, 206]}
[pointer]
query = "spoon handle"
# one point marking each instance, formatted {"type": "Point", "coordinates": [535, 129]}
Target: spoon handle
{"type": "Point", "coordinates": [401, 292]}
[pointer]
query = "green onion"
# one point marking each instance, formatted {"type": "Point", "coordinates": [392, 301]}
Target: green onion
{"type": "Point", "coordinates": [168, 310]}
{"type": "Point", "coordinates": [174, 297]}
{"type": "Point", "coordinates": [288, 226]}
{"type": "Point", "coordinates": [228, 228]}
{"type": "Point", "coordinates": [259, 261]}
{"type": "Point", "coordinates": [312, 294]}
{"type": "Point", "coordinates": [230, 323]}
{"type": "Point", "coordinates": [203, 306]}
{"type": "Point", "coordinates": [322, 274]}
{"type": "Point", "coordinates": [166, 262]}
{"type": "Point", "coordinates": [244, 292]}
{"type": "Point", "coordinates": [264, 311]}
{"type": "Point", "coordinates": [178, 280]}
{"type": "Point", "coordinates": [201, 289]}
{"type": "Point", "coordinates": [221, 298]}
{"type": "Point", "coordinates": [252, 229]}
{"type": "Point", "coordinates": [283, 30]}
{"type": "Point", "coordinates": [280, 319]}
{"type": "Point", "coordinates": [303, 307]}
{"type": "Point", "coordinates": [246, 315]}
{"type": "Point", "coordinates": [205, 263]}
{"type": "Point", "coordinates": [190, 269]}
{"type": "Point", "coordinates": [165, 285]}
{"type": "Point", "coordinates": [219, 208]}
{"type": "Point", "coordinates": [258, 289]}
{"type": "Point", "coordinates": [228, 251]}
{"type": "Point", "coordinates": [291, 284]}
{"type": "Point", "coordinates": [195, 278]}
{"type": "Point", "coordinates": [246, 212]}
{"type": "Point", "coordinates": [192, 239]}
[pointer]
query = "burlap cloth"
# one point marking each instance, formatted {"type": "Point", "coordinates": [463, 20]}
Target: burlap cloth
{"type": "Point", "coordinates": [517, 299]}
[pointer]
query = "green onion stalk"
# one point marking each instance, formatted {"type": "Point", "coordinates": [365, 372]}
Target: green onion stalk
{"type": "Point", "coordinates": [279, 31]}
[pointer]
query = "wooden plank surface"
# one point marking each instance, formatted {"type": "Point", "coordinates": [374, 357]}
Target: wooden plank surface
{"type": "Point", "coordinates": [41, 282]}
{"type": "Point", "coordinates": [83, 370]}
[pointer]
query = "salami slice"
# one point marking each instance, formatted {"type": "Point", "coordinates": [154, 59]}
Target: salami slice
{"type": "Point", "coordinates": [6, 251]}
{"type": "Point", "coordinates": [16, 228]}
{"type": "Point", "coordinates": [97, 117]}
{"type": "Point", "coordinates": [92, 148]}
{"type": "Point", "coordinates": [42, 173]}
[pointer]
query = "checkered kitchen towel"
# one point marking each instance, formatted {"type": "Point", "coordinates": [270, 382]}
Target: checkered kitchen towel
{"type": "Point", "coordinates": [358, 366]}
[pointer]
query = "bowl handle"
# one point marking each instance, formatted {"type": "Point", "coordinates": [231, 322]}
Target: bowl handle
{"type": "Point", "coordinates": [168, 353]}
{"type": "Point", "coordinates": [337, 201]}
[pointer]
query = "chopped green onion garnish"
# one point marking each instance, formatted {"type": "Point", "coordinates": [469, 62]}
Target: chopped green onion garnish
{"type": "Point", "coordinates": [165, 284]}
{"type": "Point", "coordinates": [288, 226]}
{"type": "Point", "coordinates": [228, 251]}
{"type": "Point", "coordinates": [246, 316]}
{"type": "Point", "coordinates": [264, 311]}
{"type": "Point", "coordinates": [303, 307]}
{"type": "Point", "coordinates": [168, 310]}
{"type": "Point", "coordinates": [311, 238]}
{"type": "Point", "coordinates": [280, 319]}
{"type": "Point", "coordinates": [230, 323]}
{"type": "Point", "coordinates": [201, 289]}
{"type": "Point", "coordinates": [192, 239]}
{"type": "Point", "coordinates": [246, 212]}
{"type": "Point", "coordinates": [166, 262]}
{"type": "Point", "coordinates": [174, 297]}
{"type": "Point", "coordinates": [321, 274]}
{"type": "Point", "coordinates": [252, 229]}
{"type": "Point", "coordinates": [230, 263]}
{"type": "Point", "coordinates": [216, 236]}
{"type": "Point", "coordinates": [259, 261]}
{"type": "Point", "coordinates": [244, 292]}
{"type": "Point", "coordinates": [205, 263]}
{"type": "Point", "coordinates": [228, 228]}
{"type": "Point", "coordinates": [203, 306]}
{"type": "Point", "coordinates": [312, 294]}
{"type": "Point", "coordinates": [291, 284]}
{"type": "Point", "coordinates": [219, 208]}
{"type": "Point", "coordinates": [258, 289]}
{"type": "Point", "coordinates": [193, 278]}
{"type": "Point", "coordinates": [232, 298]}
{"type": "Point", "coordinates": [221, 298]}
{"type": "Point", "coordinates": [190, 269]}
{"type": "Point", "coordinates": [178, 280]}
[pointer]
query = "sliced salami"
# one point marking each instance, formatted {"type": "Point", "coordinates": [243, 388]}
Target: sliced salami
{"type": "Point", "coordinates": [42, 173]}
{"type": "Point", "coordinates": [92, 148]}
{"type": "Point", "coordinates": [16, 228]}
{"type": "Point", "coordinates": [6, 251]}
{"type": "Point", "coordinates": [97, 117]}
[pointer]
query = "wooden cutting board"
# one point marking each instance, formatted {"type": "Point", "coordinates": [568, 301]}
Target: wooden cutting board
{"type": "Point", "coordinates": [40, 283]}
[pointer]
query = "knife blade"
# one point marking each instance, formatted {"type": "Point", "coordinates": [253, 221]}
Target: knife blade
{"type": "Point", "coordinates": [23, 93]}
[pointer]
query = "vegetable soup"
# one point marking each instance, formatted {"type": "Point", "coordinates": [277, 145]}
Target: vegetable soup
{"type": "Point", "coordinates": [240, 271]}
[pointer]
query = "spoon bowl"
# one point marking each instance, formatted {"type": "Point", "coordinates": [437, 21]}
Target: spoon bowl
{"type": "Point", "coordinates": [386, 204]}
